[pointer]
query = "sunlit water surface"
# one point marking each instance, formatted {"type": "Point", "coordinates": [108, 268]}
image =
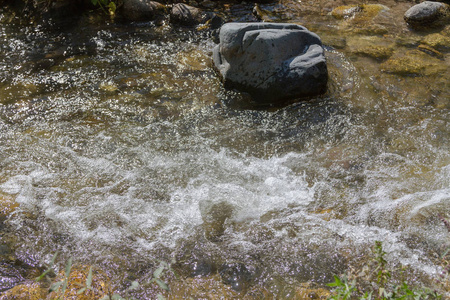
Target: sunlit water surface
{"type": "Point", "coordinates": [122, 148]}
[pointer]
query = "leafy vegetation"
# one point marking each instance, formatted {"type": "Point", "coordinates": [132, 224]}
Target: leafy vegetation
{"type": "Point", "coordinates": [60, 287]}
{"type": "Point", "coordinates": [377, 272]}
{"type": "Point", "coordinates": [108, 6]}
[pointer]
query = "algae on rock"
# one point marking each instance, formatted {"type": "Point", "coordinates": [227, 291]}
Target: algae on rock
{"type": "Point", "coordinates": [413, 62]}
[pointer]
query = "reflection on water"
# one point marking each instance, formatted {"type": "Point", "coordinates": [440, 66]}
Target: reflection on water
{"type": "Point", "coordinates": [121, 148]}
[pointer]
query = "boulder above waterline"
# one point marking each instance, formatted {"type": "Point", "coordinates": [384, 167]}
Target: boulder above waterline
{"type": "Point", "coordinates": [272, 62]}
{"type": "Point", "coordinates": [427, 13]}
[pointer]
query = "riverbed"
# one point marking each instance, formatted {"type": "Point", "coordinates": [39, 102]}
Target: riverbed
{"type": "Point", "coordinates": [119, 148]}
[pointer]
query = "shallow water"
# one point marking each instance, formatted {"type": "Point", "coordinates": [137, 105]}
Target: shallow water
{"type": "Point", "coordinates": [121, 148]}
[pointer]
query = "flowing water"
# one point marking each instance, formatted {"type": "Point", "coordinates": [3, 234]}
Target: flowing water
{"type": "Point", "coordinates": [121, 148]}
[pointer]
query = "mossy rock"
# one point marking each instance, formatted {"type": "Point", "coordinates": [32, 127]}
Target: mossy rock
{"type": "Point", "coordinates": [403, 66]}
{"type": "Point", "coordinates": [431, 51]}
{"type": "Point", "coordinates": [374, 51]}
{"type": "Point", "coordinates": [360, 11]}
{"type": "Point", "coordinates": [346, 11]}
{"type": "Point", "coordinates": [7, 205]}
{"type": "Point", "coordinates": [373, 47]}
{"type": "Point", "coordinates": [32, 290]}
{"type": "Point", "coordinates": [311, 293]}
{"type": "Point", "coordinates": [77, 279]}
{"type": "Point", "coordinates": [414, 63]}
{"type": "Point", "coordinates": [370, 29]}
{"type": "Point", "coordinates": [410, 41]}
{"type": "Point", "coordinates": [361, 19]}
{"type": "Point", "coordinates": [29, 290]}
{"type": "Point", "coordinates": [437, 41]}
{"type": "Point", "coordinates": [334, 41]}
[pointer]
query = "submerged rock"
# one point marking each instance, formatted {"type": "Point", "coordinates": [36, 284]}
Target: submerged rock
{"type": "Point", "coordinates": [270, 61]}
{"type": "Point", "coordinates": [415, 63]}
{"type": "Point", "coordinates": [363, 19]}
{"type": "Point", "coordinates": [438, 41]}
{"type": "Point", "coordinates": [7, 205]}
{"type": "Point", "coordinates": [30, 290]}
{"type": "Point", "coordinates": [427, 13]}
{"type": "Point", "coordinates": [306, 292]}
{"type": "Point", "coordinates": [202, 287]}
{"type": "Point", "coordinates": [362, 10]}
{"type": "Point", "coordinates": [346, 11]}
{"type": "Point", "coordinates": [372, 46]}
{"type": "Point", "coordinates": [214, 216]}
{"type": "Point", "coordinates": [237, 275]}
{"type": "Point", "coordinates": [143, 10]}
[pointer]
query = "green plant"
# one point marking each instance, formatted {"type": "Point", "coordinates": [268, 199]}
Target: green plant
{"type": "Point", "coordinates": [134, 285]}
{"type": "Point", "coordinates": [48, 270]}
{"type": "Point", "coordinates": [62, 284]}
{"type": "Point", "coordinates": [343, 290]}
{"type": "Point", "coordinates": [157, 277]}
{"type": "Point", "coordinates": [88, 285]}
{"type": "Point", "coordinates": [106, 4]}
{"type": "Point", "coordinates": [445, 257]}
{"type": "Point", "coordinates": [383, 274]}
{"type": "Point", "coordinates": [378, 276]}
{"type": "Point", "coordinates": [59, 287]}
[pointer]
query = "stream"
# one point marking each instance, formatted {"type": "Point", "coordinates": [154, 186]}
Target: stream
{"type": "Point", "coordinates": [120, 148]}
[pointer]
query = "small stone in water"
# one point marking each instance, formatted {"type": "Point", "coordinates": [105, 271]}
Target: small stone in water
{"type": "Point", "coordinates": [214, 218]}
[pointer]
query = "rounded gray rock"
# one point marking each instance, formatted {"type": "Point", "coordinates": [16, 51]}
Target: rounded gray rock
{"type": "Point", "coordinates": [272, 62]}
{"type": "Point", "coordinates": [427, 13]}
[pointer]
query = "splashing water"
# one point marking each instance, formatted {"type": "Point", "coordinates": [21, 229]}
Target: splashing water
{"type": "Point", "coordinates": [120, 147]}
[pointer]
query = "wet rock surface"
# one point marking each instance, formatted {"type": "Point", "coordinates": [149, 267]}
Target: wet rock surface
{"type": "Point", "coordinates": [272, 62]}
{"type": "Point", "coordinates": [372, 46]}
{"type": "Point", "coordinates": [214, 217]}
{"type": "Point", "coordinates": [358, 11]}
{"type": "Point", "coordinates": [7, 206]}
{"type": "Point", "coordinates": [187, 15]}
{"type": "Point", "coordinates": [428, 13]}
{"type": "Point", "coordinates": [379, 69]}
{"type": "Point", "coordinates": [143, 10]}
{"type": "Point", "coordinates": [414, 62]}
{"type": "Point", "coordinates": [237, 275]}
{"type": "Point", "coordinates": [364, 19]}
{"type": "Point", "coordinates": [194, 261]}
{"type": "Point", "coordinates": [30, 290]}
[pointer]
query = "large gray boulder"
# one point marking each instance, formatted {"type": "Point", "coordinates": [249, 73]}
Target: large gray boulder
{"type": "Point", "coordinates": [272, 62]}
{"type": "Point", "coordinates": [428, 13]}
